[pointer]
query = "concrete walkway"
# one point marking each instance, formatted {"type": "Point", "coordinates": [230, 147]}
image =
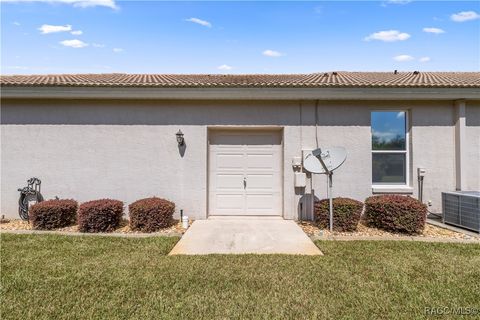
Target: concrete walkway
{"type": "Point", "coordinates": [237, 236]}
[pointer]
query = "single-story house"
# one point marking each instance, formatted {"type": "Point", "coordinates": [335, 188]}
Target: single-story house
{"type": "Point", "coordinates": [92, 136]}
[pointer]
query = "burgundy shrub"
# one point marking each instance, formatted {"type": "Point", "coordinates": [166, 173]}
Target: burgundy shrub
{"type": "Point", "coordinates": [396, 213]}
{"type": "Point", "coordinates": [100, 215]}
{"type": "Point", "coordinates": [346, 214]}
{"type": "Point", "coordinates": [52, 214]}
{"type": "Point", "coordinates": [151, 214]}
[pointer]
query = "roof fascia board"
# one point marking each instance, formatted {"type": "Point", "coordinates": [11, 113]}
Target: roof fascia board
{"type": "Point", "coordinates": [240, 93]}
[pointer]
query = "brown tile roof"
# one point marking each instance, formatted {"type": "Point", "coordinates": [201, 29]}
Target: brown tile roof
{"type": "Point", "coordinates": [313, 80]}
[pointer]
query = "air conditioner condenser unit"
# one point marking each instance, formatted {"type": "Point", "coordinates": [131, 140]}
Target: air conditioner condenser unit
{"type": "Point", "coordinates": [462, 209]}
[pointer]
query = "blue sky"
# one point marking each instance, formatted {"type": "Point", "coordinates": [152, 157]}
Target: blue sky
{"type": "Point", "coordinates": [238, 37]}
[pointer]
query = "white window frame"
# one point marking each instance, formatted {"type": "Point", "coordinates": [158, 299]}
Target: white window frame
{"type": "Point", "coordinates": [406, 152]}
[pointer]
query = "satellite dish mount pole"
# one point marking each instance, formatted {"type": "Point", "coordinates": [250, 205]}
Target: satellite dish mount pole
{"type": "Point", "coordinates": [330, 200]}
{"type": "Point", "coordinates": [318, 154]}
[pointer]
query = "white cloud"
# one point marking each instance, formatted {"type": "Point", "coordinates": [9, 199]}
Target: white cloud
{"type": "Point", "coordinates": [75, 3]}
{"type": "Point", "coordinates": [75, 43]}
{"type": "Point", "coordinates": [77, 32]}
{"type": "Point", "coordinates": [16, 67]}
{"type": "Point", "coordinates": [318, 9]}
{"type": "Point", "coordinates": [92, 3]}
{"type": "Point", "coordinates": [399, 1]}
{"type": "Point", "coordinates": [272, 53]}
{"type": "Point", "coordinates": [98, 45]}
{"type": "Point", "coordinates": [465, 16]}
{"type": "Point", "coordinates": [403, 57]}
{"type": "Point", "coordinates": [388, 36]}
{"type": "Point", "coordinates": [424, 59]}
{"type": "Point", "coordinates": [225, 67]}
{"type": "Point", "coordinates": [400, 115]}
{"type": "Point", "coordinates": [48, 28]}
{"type": "Point", "coordinates": [117, 50]}
{"type": "Point", "coordinates": [433, 30]}
{"type": "Point", "coordinates": [200, 22]}
{"type": "Point", "coordinates": [16, 23]}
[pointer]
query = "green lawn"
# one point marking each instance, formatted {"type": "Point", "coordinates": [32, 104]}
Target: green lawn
{"type": "Point", "coordinates": [60, 277]}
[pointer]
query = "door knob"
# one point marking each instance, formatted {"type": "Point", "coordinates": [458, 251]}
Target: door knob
{"type": "Point", "coordinates": [244, 183]}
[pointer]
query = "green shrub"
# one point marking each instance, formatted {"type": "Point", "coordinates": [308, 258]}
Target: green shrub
{"type": "Point", "coordinates": [100, 215]}
{"type": "Point", "coordinates": [151, 214]}
{"type": "Point", "coordinates": [52, 214]}
{"type": "Point", "coordinates": [346, 214]}
{"type": "Point", "coordinates": [395, 213]}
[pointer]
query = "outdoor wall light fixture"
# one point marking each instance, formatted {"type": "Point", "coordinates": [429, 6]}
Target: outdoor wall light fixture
{"type": "Point", "coordinates": [180, 138]}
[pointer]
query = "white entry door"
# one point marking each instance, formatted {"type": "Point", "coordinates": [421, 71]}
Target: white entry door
{"type": "Point", "coordinates": [245, 173]}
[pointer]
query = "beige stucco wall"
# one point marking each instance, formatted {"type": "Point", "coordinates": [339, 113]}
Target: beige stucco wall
{"type": "Point", "coordinates": [472, 133]}
{"type": "Point", "coordinates": [433, 148]}
{"type": "Point", "coordinates": [127, 149]}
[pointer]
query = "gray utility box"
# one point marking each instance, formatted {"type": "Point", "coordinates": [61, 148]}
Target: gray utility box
{"type": "Point", "coordinates": [462, 209]}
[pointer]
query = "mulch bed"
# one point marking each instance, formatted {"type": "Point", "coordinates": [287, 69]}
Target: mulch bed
{"type": "Point", "coordinates": [124, 227]}
{"type": "Point", "coordinates": [310, 228]}
{"type": "Point", "coordinates": [430, 231]}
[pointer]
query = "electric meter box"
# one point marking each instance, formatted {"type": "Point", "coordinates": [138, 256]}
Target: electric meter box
{"type": "Point", "coordinates": [300, 180]}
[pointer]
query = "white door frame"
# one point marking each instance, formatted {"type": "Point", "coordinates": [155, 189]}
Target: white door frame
{"type": "Point", "coordinates": [278, 129]}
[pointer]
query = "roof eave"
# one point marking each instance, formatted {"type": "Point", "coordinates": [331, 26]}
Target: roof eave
{"type": "Point", "coordinates": [288, 93]}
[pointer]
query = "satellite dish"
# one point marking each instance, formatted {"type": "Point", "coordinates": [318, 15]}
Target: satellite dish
{"type": "Point", "coordinates": [333, 157]}
{"type": "Point", "coordinates": [326, 160]}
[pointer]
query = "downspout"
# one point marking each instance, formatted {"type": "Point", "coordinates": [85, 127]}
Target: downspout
{"type": "Point", "coordinates": [460, 145]}
{"type": "Point", "coordinates": [300, 111]}
{"type": "Point", "coordinates": [302, 214]}
{"type": "Point", "coordinates": [312, 203]}
{"type": "Point", "coordinates": [316, 123]}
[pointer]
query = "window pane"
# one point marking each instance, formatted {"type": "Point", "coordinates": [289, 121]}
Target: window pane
{"type": "Point", "coordinates": [388, 130]}
{"type": "Point", "coordinates": [389, 168]}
